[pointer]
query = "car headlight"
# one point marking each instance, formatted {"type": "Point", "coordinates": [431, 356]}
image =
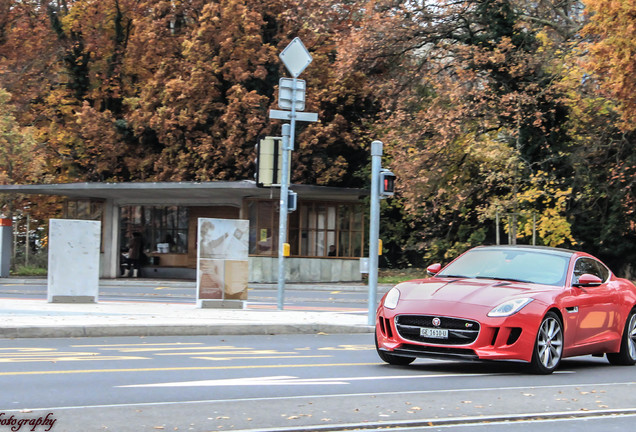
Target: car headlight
{"type": "Point", "coordinates": [510, 307]}
{"type": "Point", "coordinates": [392, 298]}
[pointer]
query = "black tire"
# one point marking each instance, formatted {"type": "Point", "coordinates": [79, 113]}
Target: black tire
{"type": "Point", "coordinates": [627, 355]}
{"type": "Point", "coordinates": [392, 359]}
{"type": "Point", "coordinates": [548, 346]}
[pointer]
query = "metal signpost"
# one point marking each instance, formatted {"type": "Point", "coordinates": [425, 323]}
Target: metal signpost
{"type": "Point", "coordinates": [291, 96]}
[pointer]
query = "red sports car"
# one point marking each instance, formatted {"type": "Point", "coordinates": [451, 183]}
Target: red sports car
{"type": "Point", "coordinates": [533, 304]}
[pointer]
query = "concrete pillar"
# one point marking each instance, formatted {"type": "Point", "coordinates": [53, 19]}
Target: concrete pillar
{"type": "Point", "coordinates": [110, 241]}
{"type": "Point", "coordinates": [5, 246]}
{"type": "Point", "coordinates": [73, 275]}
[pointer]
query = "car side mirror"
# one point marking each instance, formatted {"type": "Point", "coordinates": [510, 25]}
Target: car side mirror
{"type": "Point", "coordinates": [586, 280]}
{"type": "Point", "coordinates": [433, 269]}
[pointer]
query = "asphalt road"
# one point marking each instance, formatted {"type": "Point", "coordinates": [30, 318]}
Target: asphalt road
{"type": "Point", "coordinates": [294, 382]}
{"type": "Point", "coordinates": [335, 299]}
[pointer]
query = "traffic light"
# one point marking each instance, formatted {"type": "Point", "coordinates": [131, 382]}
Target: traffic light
{"type": "Point", "coordinates": [269, 161]}
{"type": "Point", "coordinates": [387, 183]}
{"type": "Point", "coordinates": [292, 201]}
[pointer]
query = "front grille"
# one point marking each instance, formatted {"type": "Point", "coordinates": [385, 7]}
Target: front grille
{"type": "Point", "coordinates": [460, 331]}
{"type": "Point", "coordinates": [442, 352]}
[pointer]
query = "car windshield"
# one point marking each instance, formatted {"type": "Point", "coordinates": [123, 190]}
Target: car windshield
{"type": "Point", "coordinates": [511, 264]}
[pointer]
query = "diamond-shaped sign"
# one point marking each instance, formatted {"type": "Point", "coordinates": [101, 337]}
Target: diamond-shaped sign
{"type": "Point", "coordinates": [295, 57]}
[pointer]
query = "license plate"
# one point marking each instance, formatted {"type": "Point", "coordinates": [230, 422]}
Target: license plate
{"type": "Point", "coordinates": [434, 333]}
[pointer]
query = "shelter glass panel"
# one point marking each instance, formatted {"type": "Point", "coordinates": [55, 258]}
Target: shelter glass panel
{"type": "Point", "coordinates": [163, 228]}
{"type": "Point", "coordinates": [316, 229]}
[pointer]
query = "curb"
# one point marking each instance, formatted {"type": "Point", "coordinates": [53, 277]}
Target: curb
{"type": "Point", "coordinates": [450, 422]}
{"type": "Point", "coordinates": [176, 330]}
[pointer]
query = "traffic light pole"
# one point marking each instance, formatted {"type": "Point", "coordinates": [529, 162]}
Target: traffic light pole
{"type": "Point", "coordinates": [374, 227]}
{"type": "Point", "coordinates": [288, 144]}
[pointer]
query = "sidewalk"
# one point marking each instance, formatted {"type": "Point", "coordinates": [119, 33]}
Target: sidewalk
{"type": "Point", "coordinates": [28, 318]}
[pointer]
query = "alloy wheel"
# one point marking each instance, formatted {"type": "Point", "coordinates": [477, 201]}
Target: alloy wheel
{"type": "Point", "coordinates": [631, 329]}
{"type": "Point", "coordinates": [550, 342]}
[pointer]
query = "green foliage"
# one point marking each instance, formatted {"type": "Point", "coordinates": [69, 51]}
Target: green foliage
{"type": "Point", "coordinates": [492, 117]}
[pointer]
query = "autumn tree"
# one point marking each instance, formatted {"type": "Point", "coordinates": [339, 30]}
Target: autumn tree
{"type": "Point", "coordinates": [159, 90]}
{"type": "Point", "coordinates": [604, 163]}
{"type": "Point", "coordinates": [476, 122]}
{"type": "Point", "coordinates": [21, 161]}
{"type": "Point", "coordinates": [612, 29]}
{"type": "Point", "coordinates": [205, 112]}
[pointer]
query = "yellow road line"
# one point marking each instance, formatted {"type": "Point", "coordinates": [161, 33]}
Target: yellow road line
{"type": "Point", "coordinates": [54, 359]}
{"type": "Point", "coordinates": [26, 354]}
{"type": "Point", "coordinates": [263, 357]}
{"type": "Point", "coordinates": [134, 345]}
{"type": "Point", "coordinates": [141, 348]}
{"type": "Point", "coordinates": [193, 368]}
{"type": "Point", "coordinates": [26, 349]}
{"type": "Point", "coordinates": [228, 352]}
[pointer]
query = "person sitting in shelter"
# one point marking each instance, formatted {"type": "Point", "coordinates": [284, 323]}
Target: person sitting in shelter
{"type": "Point", "coordinates": [135, 248]}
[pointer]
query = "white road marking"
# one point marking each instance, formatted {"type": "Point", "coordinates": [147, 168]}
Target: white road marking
{"type": "Point", "coordinates": [292, 380]}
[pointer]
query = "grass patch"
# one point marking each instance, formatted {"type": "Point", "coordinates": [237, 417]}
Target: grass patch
{"type": "Point", "coordinates": [29, 271]}
{"type": "Point", "coordinates": [395, 276]}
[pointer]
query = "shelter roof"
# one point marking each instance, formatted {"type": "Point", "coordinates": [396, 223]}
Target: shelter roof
{"type": "Point", "coordinates": [180, 191]}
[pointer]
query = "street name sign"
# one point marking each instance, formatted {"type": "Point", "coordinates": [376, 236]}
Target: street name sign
{"type": "Point", "coordinates": [286, 93]}
{"type": "Point", "coordinates": [287, 115]}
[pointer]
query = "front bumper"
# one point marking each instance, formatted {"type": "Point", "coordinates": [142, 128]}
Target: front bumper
{"type": "Point", "coordinates": [507, 338]}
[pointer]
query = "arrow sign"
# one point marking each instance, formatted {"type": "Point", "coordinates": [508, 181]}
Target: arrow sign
{"type": "Point", "coordinates": [258, 381]}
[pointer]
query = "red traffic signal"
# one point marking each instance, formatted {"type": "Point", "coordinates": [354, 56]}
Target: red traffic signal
{"type": "Point", "coordinates": [387, 183]}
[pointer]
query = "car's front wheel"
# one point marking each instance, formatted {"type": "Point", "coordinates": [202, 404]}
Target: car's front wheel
{"type": "Point", "coordinates": [627, 354]}
{"type": "Point", "coordinates": [548, 347]}
{"type": "Point", "coordinates": [392, 359]}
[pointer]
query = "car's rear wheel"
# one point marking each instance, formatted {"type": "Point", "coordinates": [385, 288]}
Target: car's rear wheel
{"type": "Point", "coordinates": [548, 347]}
{"type": "Point", "coordinates": [627, 354]}
{"type": "Point", "coordinates": [392, 359]}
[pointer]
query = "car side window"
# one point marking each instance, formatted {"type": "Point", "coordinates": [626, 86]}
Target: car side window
{"type": "Point", "coordinates": [590, 266]}
{"type": "Point", "coordinates": [603, 271]}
